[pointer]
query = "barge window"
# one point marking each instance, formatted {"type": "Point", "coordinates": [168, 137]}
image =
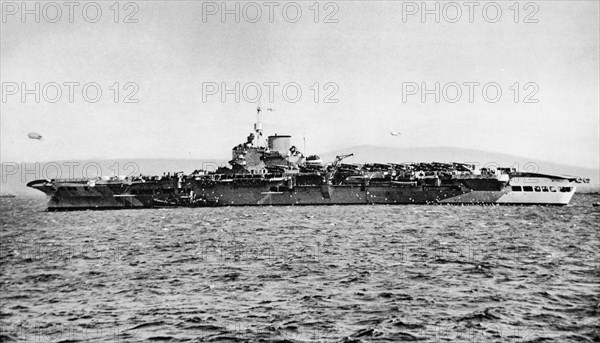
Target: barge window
{"type": "Point", "coordinates": [538, 189]}
{"type": "Point", "coordinates": [552, 188]}
{"type": "Point", "coordinates": [544, 188]}
{"type": "Point", "coordinates": [565, 189]}
{"type": "Point", "coordinates": [527, 188]}
{"type": "Point", "coordinates": [516, 188]}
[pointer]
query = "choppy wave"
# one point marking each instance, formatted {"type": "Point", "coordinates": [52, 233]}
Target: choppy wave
{"type": "Point", "coordinates": [301, 274]}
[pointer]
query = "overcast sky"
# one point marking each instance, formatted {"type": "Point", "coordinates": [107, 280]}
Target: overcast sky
{"type": "Point", "coordinates": [370, 58]}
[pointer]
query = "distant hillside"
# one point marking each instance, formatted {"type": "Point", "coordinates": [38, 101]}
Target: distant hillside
{"type": "Point", "coordinates": [15, 176]}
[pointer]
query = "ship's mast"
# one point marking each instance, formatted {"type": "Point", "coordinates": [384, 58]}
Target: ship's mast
{"type": "Point", "coordinates": [258, 126]}
{"type": "Point", "coordinates": [305, 152]}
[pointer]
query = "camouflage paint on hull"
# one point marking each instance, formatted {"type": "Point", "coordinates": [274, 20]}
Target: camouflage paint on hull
{"type": "Point", "coordinates": [283, 192]}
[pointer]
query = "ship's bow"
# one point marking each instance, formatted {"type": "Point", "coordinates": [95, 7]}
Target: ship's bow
{"type": "Point", "coordinates": [46, 186]}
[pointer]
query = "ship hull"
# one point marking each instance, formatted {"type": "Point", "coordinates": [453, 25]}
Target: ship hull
{"type": "Point", "coordinates": [336, 195]}
{"type": "Point", "coordinates": [309, 198]}
{"type": "Point", "coordinates": [468, 191]}
{"type": "Point", "coordinates": [264, 192]}
{"type": "Point", "coordinates": [105, 202]}
{"type": "Point", "coordinates": [86, 195]}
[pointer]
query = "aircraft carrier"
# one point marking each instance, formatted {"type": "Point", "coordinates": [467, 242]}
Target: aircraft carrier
{"type": "Point", "coordinates": [271, 171]}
